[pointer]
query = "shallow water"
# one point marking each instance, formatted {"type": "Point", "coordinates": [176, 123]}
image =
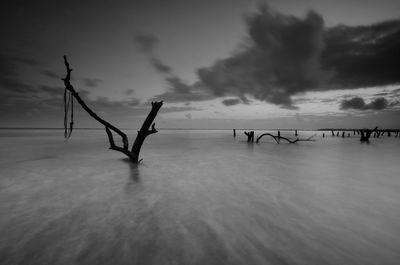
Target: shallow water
{"type": "Point", "coordinates": [199, 197]}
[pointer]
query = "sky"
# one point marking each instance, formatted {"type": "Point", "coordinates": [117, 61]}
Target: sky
{"type": "Point", "coordinates": [304, 64]}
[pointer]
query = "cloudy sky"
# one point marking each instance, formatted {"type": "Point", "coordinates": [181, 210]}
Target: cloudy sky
{"type": "Point", "coordinates": [215, 64]}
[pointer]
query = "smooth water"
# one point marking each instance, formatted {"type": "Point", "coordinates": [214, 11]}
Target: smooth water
{"type": "Point", "coordinates": [199, 197]}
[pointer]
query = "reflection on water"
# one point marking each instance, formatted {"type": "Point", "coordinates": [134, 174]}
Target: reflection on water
{"type": "Point", "coordinates": [199, 198]}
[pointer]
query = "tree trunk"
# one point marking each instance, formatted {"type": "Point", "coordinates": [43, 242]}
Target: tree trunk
{"type": "Point", "coordinates": [144, 131]}
{"type": "Point", "coordinates": [250, 136]}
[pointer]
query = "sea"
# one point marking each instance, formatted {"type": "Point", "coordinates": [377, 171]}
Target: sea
{"type": "Point", "coordinates": [198, 197]}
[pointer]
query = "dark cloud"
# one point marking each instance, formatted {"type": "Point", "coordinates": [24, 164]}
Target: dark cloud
{"type": "Point", "coordinates": [284, 55]}
{"type": "Point", "coordinates": [353, 103]}
{"type": "Point", "coordinates": [364, 55]}
{"type": "Point", "coordinates": [180, 91]}
{"type": "Point", "coordinates": [160, 66]}
{"type": "Point", "coordinates": [377, 104]}
{"type": "Point", "coordinates": [280, 59]}
{"type": "Point", "coordinates": [145, 42]}
{"type": "Point", "coordinates": [231, 101]}
{"type": "Point", "coordinates": [91, 82]}
{"type": "Point", "coordinates": [358, 103]}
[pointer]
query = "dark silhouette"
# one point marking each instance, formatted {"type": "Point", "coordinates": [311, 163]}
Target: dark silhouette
{"type": "Point", "coordinates": [250, 136]}
{"type": "Point", "coordinates": [277, 138]}
{"type": "Point", "coordinates": [144, 131]}
{"type": "Point", "coordinates": [337, 134]}
{"type": "Point", "coordinates": [234, 132]}
{"type": "Point", "coordinates": [343, 134]}
{"type": "Point", "coordinates": [366, 134]}
{"type": "Point", "coordinates": [333, 134]}
{"type": "Point", "coordinates": [295, 133]}
{"type": "Point", "coordinates": [323, 135]}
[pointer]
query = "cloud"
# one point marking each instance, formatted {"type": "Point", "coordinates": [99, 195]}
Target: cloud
{"type": "Point", "coordinates": [284, 55]}
{"type": "Point", "coordinates": [145, 42]}
{"type": "Point", "coordinates": [363, 56]}
{"type": "Point", "coordinates": [179, 91]}
{"type": "Point", "coordinates": [279, 59]}
{"type": "Point", "coordinates": [231, 101]}
{"type": "Point", "coordinates": [358, 103]}
{"type": "Point", "coordinates": [160, 66]}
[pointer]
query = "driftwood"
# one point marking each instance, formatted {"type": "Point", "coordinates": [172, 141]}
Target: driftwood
{"type": "Point", "coordinates": [144, 131]}
{"type": "Point", "coordinates": [250, 136]}
{"type": "Point", "coordinates": [278, 137]}
{"type": "Point", "coordinates": [366, 134]}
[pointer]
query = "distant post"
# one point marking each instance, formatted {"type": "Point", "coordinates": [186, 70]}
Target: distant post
{"type": "Point", "coordinates": [234, 132]}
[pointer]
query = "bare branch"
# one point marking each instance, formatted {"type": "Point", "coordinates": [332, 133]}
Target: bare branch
{"type": "Point", "coordinates": [69, 87]}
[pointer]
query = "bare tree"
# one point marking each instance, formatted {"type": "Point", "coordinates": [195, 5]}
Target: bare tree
{"type": "Point", "coordinates": [145, 130]}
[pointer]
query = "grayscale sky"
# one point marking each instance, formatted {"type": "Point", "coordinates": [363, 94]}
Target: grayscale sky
{"type": "Point", "coordinates": [216, 64]}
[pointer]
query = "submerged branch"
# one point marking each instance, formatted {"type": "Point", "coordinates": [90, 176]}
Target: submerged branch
{"type": "Point", "coordinates": [277, 138]}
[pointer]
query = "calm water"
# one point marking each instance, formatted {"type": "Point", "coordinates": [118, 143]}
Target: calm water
{"type": "Point", "coordinates": [200, 197]}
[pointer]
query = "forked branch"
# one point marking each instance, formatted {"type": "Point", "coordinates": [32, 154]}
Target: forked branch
{"type": "Point", "coordinates": [144, 131]}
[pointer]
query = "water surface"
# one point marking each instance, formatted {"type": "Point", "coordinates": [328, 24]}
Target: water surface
{"type": "Point", "coordinates": [199, 197]}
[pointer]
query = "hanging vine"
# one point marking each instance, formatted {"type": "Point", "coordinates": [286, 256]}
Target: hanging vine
{"type": "Point", "coordinates": [68, 108]}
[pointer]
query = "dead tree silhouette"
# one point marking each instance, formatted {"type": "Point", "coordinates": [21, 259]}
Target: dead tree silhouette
{"type": "Point", "coordinates": [250, 136]}
{"type": "Point", "coordinates": [366, 134]}
{"type": "Point", "coordinates": [144, 131]}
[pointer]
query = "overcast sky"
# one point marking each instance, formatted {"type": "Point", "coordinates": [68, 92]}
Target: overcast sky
{"type": "Point", "coordinates": [216, 64]}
